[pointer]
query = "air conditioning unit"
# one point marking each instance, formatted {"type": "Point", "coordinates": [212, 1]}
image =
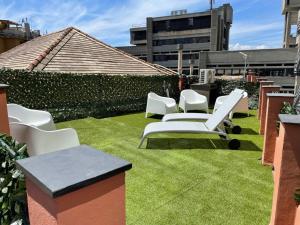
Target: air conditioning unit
{"type": "Point", "coordinates": [207, 76]}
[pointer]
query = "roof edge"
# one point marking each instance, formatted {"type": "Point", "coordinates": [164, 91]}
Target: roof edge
{"type": "Point", "coordinates": [38, 59]}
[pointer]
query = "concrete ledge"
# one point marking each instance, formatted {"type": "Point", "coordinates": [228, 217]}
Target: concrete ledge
{"type": "Point", "coordinates": [289, 119]}
{"type": "Point", "coordinates": [62, 172]}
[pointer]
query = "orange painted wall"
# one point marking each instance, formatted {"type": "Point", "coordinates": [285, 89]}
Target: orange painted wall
{"type": "Point", "coordinates": [102, 203]}
{"type": "Point", "coordinates": [4, 126]}
{"type": "Point", "coordinates": [262, 83]}
{"type": "Point", "coordinates": [297, 218]}
{"type": "Point", "coordinates": [263, 105]}
{"type": "Point", "coordinates": [274, 105]}
{"type": "Point", "coordinates": [286, 175]}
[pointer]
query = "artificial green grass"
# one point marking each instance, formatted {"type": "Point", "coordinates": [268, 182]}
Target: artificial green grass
{"type": "Point", "coordinates": [185, 178]}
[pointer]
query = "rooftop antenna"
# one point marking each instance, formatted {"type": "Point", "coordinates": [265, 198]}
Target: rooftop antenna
{"type": "Point", "coordinates": [211, 2]}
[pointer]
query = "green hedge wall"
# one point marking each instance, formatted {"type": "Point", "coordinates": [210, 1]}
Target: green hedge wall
{"type": "Point", "coordinates": [73, 96]}
{"type": "Point", "coordinates": [226, 86]}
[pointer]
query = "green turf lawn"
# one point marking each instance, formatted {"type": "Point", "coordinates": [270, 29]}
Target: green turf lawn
{"type": "Point", "coordinates": [185, 178]}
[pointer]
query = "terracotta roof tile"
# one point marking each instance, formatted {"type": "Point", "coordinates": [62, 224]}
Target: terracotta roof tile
{"type": "Point", "coordinates": [74, 51]}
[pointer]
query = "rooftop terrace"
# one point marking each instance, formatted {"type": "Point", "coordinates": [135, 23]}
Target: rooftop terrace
{"type": "Point", "coordinates": [187, 180]}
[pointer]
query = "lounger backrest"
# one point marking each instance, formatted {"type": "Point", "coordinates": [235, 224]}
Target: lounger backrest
{"type": "Point", "coordinates": [223, 111]}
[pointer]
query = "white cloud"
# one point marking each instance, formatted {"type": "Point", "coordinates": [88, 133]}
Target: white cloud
{"type": "Point", "coordinates": [238, 46]}
{"type": "Point", "coordinates": [116, 21]}
{"type": "Point", "coordinates": [244, 29]}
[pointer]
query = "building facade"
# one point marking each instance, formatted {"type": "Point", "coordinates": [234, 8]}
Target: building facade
{"type": "Point", "coordinates": [269, 62]}
{"type": "Point", "coordinates": [157, 42]}
{"type": "Point", "coordinates": [13, 34]}
{"type": "Point", "coordinates": [290, 10]}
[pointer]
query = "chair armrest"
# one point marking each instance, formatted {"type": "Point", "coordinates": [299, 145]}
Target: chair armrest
{"type": "Point", "coordinates": [167, 100]}
{"type": "Point", "coordinates": [155, 106]}
{"type": "Point", "coordinates": [38, 114]}
{"type": "Point", "coordinates": [50, 141]}
{"type": "Point", "coordinates": [13, 119]}
{"type": "Point", "coordinates": [182, 102]}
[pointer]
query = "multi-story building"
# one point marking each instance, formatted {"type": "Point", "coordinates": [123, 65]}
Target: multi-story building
{"type": "Point", "coordinates": [290, 11]}
{"type": "Point", "coordinates": [157, 42]}
{"type": "Point", "coordinates": [13, 34]}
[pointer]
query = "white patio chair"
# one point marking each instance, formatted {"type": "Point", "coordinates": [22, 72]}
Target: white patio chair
{"type": "Point", "coordinates": [40, 141]}
{"type": "Point", "coordinates": [160, 105]}
{"type": "Point", "coordinates": [211, 126]}
{"type": "Point", "coordinates": [242, 106]}
{"type": "Point", "coordinates": [191, 100]}
{"type": "Point", "coordinates": [37, 118]}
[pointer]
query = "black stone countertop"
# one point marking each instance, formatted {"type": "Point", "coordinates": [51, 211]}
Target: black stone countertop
{"type": "Point", "coordinates": [64, 171]}
{"type": "Point", "coordinates": [3, 86]}
{"type": "Point", "coordinates": [280, 95]}
{"type": "Point", "coordinates": [292, 119]}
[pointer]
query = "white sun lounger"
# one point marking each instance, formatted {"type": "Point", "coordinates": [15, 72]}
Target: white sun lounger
{"type": "Point", "coordinates": [211, 126]}
{"type": "Point", "coordinates": [202, 116]}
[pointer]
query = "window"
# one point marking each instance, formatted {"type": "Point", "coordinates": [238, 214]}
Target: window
{"type": "Point", "coordinates": [191, 40]}
{"type": "Point", "coordinates": [191, 21]}
{"type": "Point", "coordinates": [168, 57]}
{"type": "Point", "coordinates": [139, 35]}
{"type": "Point", "coordinates": [200, 22]}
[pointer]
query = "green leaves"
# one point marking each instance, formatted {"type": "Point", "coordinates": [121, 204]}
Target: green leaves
{"type": "Point", "coordinates": [73, 96]}
{"type": "Point", "coordinates": [226, 86]}
{"type": "Point", "coordinates": [12, 183]}
{"type": "Point", "coordinates": [288, 108]}
{"type": "Point", "coordinates": [297, 196]}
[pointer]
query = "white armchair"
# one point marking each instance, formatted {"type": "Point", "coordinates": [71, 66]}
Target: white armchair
{"type": "Point", "coordinates": [40, 141]}
{"type": "Point", "coordinates": [37, 118]}
{"type": "Point", "coordinates": [160, 105]}
{"type": "Point", "coordinates": [191, 100]}
{"type": "Point", "coordinates": [242, 106]}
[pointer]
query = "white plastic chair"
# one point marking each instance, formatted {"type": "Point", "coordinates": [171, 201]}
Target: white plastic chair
{"type": "Point", "coordinates": [242, 106]}
{"type": "Point", "coordinates": [40, 141]}
{"type": "Point", "coordinates": [160, 105]}
{"type": "Point", "coordinates": [211, 126]}
{"type": "Point", "coordinates": [37, 118]}
{"type": "Point", "coordinates": [191, 100]}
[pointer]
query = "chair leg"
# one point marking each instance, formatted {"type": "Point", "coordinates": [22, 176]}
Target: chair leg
{"type": "Point", "coordinates": [146, 115]}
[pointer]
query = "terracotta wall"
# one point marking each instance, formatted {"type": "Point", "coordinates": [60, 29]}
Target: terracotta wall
{"type": "Point", "coordinates": [297, 218]}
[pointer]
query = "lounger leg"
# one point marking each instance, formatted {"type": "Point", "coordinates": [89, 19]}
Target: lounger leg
{"type": "Point", "coordinates": [141, 143]}
{"type": "Point", "coordinates": [146, 115]}
{"type": "Point", "coordinates": [231, 115]}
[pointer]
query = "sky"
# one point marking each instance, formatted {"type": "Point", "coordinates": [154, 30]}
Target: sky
{"type": "Point", "coordinates": [256, 23]}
